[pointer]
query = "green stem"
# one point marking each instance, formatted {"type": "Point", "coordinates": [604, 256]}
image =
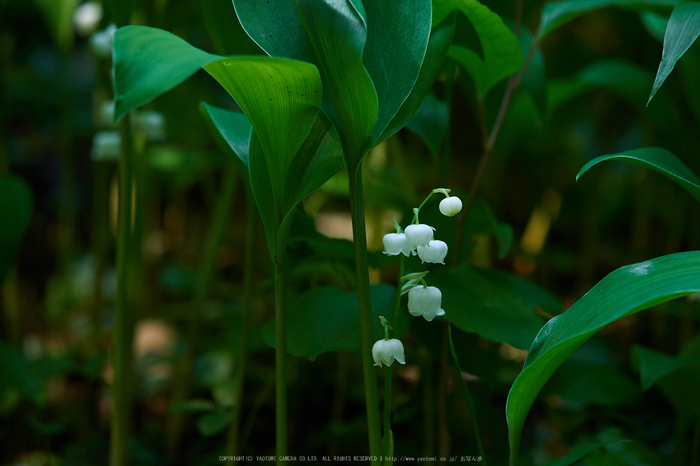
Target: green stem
{"type": "Point", "coordinates": [211, 244]}
{"type": "Point", "coordinates": [397, 299]}
{"type": "Point", "coordinates": [387, 413]}
{"type": "Point", "coordinates": [232, 443]}
{"type": "Point", "coordinates": [121, 350]}
{"type": "Point", "coordinates": [475, 424]}
{"type": "Point", "coordinates": [280, 357]}
{"type": "Point", "coordinates": [365, 302]}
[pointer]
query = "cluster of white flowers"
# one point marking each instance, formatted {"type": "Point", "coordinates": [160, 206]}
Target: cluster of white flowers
{"type": "Point", "coordinates": [423, 300]}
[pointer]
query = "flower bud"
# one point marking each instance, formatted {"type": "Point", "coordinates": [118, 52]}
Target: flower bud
{"type": "Point", "coordinates": [450, 206]}
{"type": "Point", "coordinates": [385, 351]}
{"type": "Point", "coordinates": [434, 252]}
{"type": "Point", "coordinates": [419, 235]}
{"type": "Point", "coordinates": [396, 243]}
{"type": "Point", "coordinates": [425, 301]}
{"type": "Point", "coordinates": [101, 41]}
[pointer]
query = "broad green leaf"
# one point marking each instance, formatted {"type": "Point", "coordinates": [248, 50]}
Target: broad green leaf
{"type": "Point", "coordinates": [682, 30]}
{"type": "Point", "coordinates": [232, 127]}
{"type": "Point", "coordinates": [338, 33]}
{"type": "Point", "coordinates": [654, 365]}
{"type": "Point", "coordinates": [680, 386]}
{"type": "Point", "coordinates": [558, 13]}
{"type": "Point", "coordinates": [430, 122]}
{"type": "Point", "coordinates": [625, 291]}
{"type": "Point", "coordinates": [655, 24]}
{"type": "Point", "coordinates": [327, 319]}
{"type": "Point", "coordinates": [501, 50]}
{"type": "Point", "coordinates": [397, 38]}
{"type": "Point", "coordinates": [579, 452]}
{"type": "Point", "coordinates": [260, 183]}
{"type": "Point", "coordinates": [331, 35]}
{"type": "Point", "coordinates": [439, 44]}
{"type": "Point", "coordinates": [324, 146]}
{"type": "Point", "coordinates": [596, 384]}
{"type": "Point", "coordinates": [496, 305]}
{"type": "Point", "coordinates": [16, 206]}
{"type": "Point", "coordinates": [659, 160]}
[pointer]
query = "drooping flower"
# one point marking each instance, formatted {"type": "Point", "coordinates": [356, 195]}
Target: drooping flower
{"type": "Point", "coordinates": [397, 243]}
{"type": "Point", "coordinates": [419, 235]}
{"type": "Point", "coordinates": [106, 145]}
{"type": "Point", "coordinates": [87, 17]}
{"type": "Point", "coordinates": [434, 252]}
{"type": "Point", "coordinates": [450, 206]}
{"type": "Point", "coordinates": [100, 42]}
{"type": "Point", "coordinates": [425, 301]}
{"type": "Point", "coordinates": [385, 351]}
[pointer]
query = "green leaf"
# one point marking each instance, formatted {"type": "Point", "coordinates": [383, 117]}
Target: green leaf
{"type": "Point", "coordinates": [501, 50]}
{"type": "Point", "coordinates": [556, 14]}
{"type": "Point", "coordinates": [439, 44]}
{"type": "Point", "coordinates": [494, 304]}
{"type": "Point", "coordinates": [659, 160]}
{"type": "Point", "coordinates": [213, 423]}
{"type": "Point", "coordinates": [535, 78]}
{"type": "Point", "coordinates": [16, 206]}
{"type": "Point", "coordinates": [579, 452]}
{"type": "Point", "coordinates": [682, 30]}
{"type": "Point", "coordinates": [653, 365]}
{"type": "Point", "coordinates": [397, 38]}
{"type": "Point", "coordinates": [625, 291]}
{"type": "Point", "coordinates": [264, 195]}
{"type": "Point", "coordinates": [327, 319]}
{"type": "Point", "coordinates": [232, 128]}
{"type": "Point", "coordinates": [430, 122]}
{"type": "Point", "coordinates": [593, 383]}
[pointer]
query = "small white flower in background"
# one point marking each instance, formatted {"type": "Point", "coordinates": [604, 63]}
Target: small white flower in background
{"type": "Point", "coordinates": [397, 243]}
{"type": "Point", "coordinates": [434, 252]}
{"type": "Point", "coordinates": [450, 206]}
{"type": "Point", "coordinates": [150, 123]}
{"type": "Point", "coordinates": [87, 17]}
{"type": "Point", "coordinates": [425, 301]}
{"type": "Point", "coordinates": [419, 235]}
{"type": "Point", "coordinates": [101, 41]}
{"type": "Point", "coordinates": [385, 351]}
{"type": "Point", "coordinates": [106, 145]}
{"type": "Point", "coordinates": [105, 114]}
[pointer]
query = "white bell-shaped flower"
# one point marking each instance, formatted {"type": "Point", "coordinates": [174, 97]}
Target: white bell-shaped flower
{"type": "Point", "coordinates": [419, 235]}
{"type": "Point", "coordinates": [385, 351]}
{"type": "Point", "coordinates": [101, 41]}
{"type": "Point", "coordinates": [450, 206]}
{"type": "Point", "coordinates": [434, 252]}
{"type": "Point", "coordinates": [397, 243]}
{"type": "Point", "coordinates": [151, 124]}
{"type": "Point", "coordinates": [106, 145]}
{"type": "Point", "coordinates": [87, 17]}
{"type": "Point", "coordinates": [425, 301]}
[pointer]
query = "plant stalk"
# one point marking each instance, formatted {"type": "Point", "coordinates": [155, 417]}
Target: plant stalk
{"type": "Point", "coordinates": [387, 413]}
{"type": "Point", "coordinates": [365, 302]}
{"type": "Point", "coordinates": [280, 355]}
{"type": "Point", "coordinates": [232, 443]}
{"type": "Point", "coordinates": [121, 348]}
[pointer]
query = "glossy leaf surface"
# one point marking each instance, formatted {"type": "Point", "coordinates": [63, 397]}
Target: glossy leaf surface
{"type": "Point", "coordinates": [233, 127]}
{"type": "Point", "coordinates": [501, 50]}
{"type": "Point", "coordinates": [682, 30]}
{"type": "Point", "coordinates": [625, 291]}
{"type": "Point", "coordinates": [659, 160]}
{"type": "Point", "coordinates": [327, 319]}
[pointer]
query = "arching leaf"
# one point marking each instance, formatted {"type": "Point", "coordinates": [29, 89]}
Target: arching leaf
{"type": "Point", "coordinates": [659, 160]}
{"type": "Point", "coordinates": [625, 291]}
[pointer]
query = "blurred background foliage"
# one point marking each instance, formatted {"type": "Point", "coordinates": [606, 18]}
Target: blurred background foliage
{"type": "Point", "coordinates": [535, 241]}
